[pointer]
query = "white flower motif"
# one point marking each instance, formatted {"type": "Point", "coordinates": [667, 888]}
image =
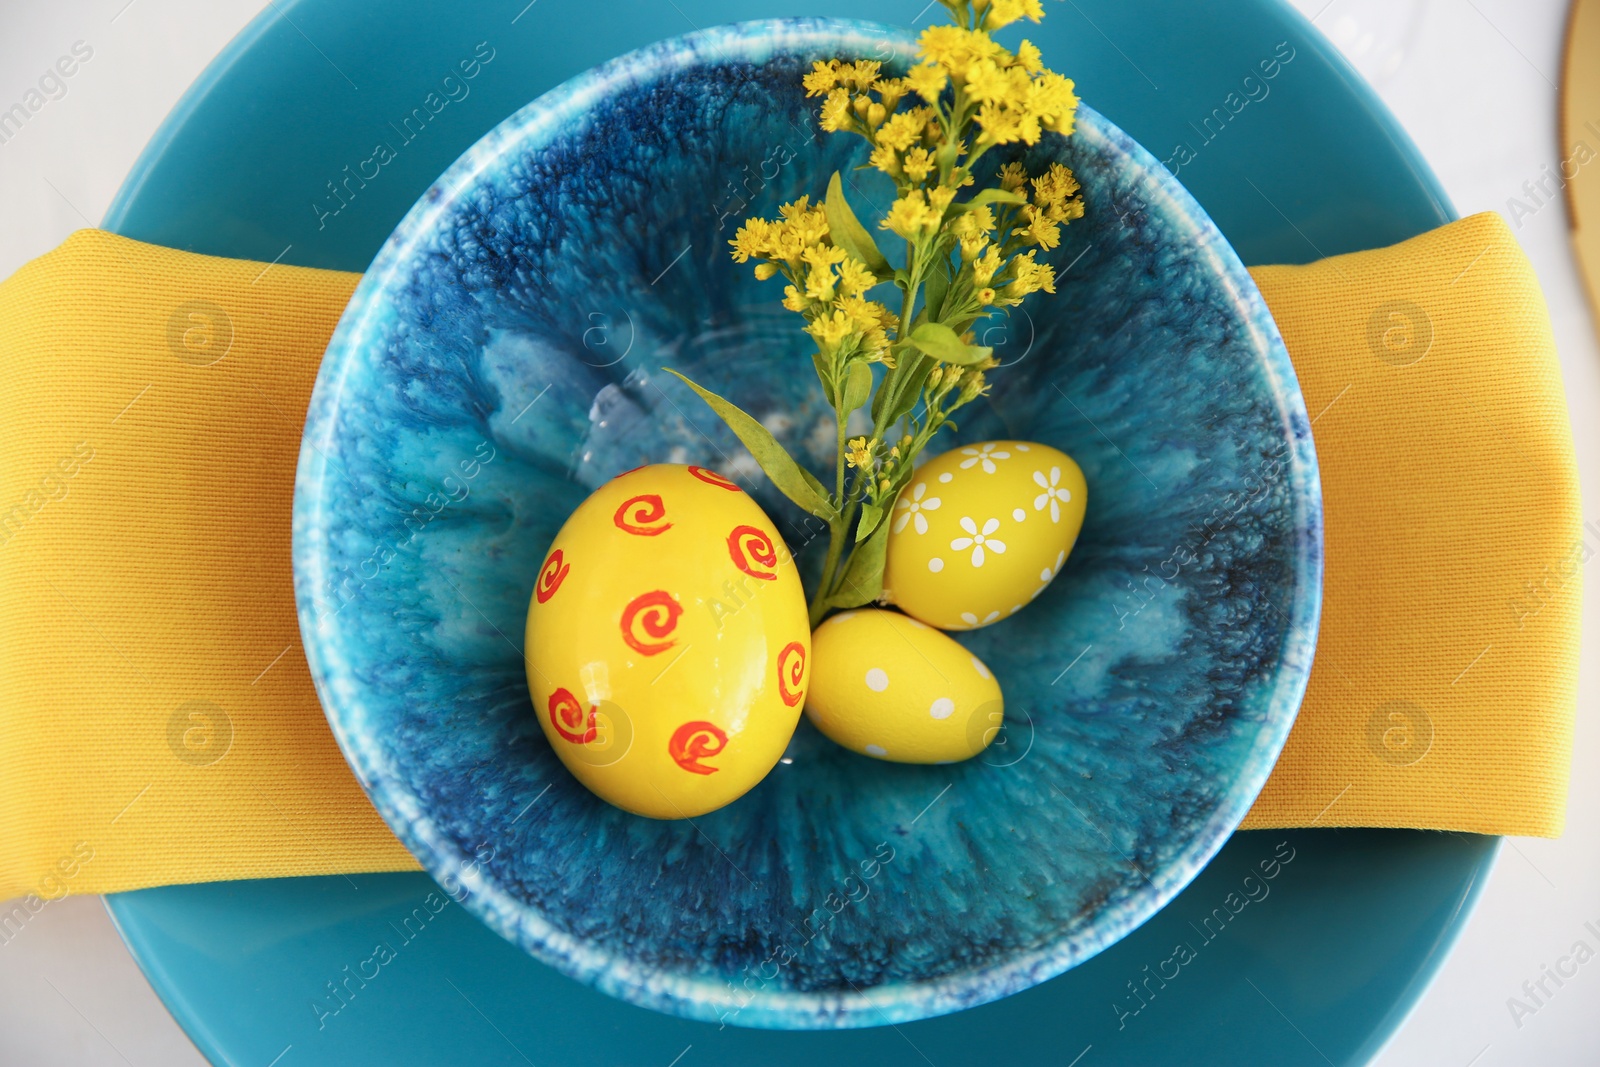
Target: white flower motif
{"type": "Point", "coordinates": [1048, 574]}
{"type": "Point", "coordinates": [978, 540]}
{"type": "Point", "coordinates": [1054, 494]}
{"type": "Point", "coordinates": [985, 455]}
{"type": "Point", "coordinates": [911, 507]}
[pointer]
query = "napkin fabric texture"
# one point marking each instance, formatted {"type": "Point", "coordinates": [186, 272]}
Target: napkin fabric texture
{"type": "Point", "coordinates": [1444, 687]}
{"type": "Point", "coordinates": [158, 723]}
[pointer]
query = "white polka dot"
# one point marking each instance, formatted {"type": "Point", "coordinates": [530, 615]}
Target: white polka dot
{"type": "Point", "coordinates": [1019, 514]}
{"type": "Point", "coordinates": [936, 564]}
{"type": "Point", "coordinates": [983, 672]}
{"type": "Point", "coordinates": [1015, 608]}
{"type": "Point", "coordinates": [877, 750]}
{"type": "Point", "coordinates": [946, 476]}
{"type": "Point", "coordinates": [1046, 574]}
{"type": "Point", "coordinates": [942, 708]}
{"type": "Point", "coordinates": [877, 680]}
{"type": "Point", "coordinates": [969, 618]}
{"type": "Point", "coordinates": [1022, 448]}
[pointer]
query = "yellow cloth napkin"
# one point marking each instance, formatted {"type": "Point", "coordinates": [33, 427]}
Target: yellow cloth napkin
{"type": "Point", "coordinates": [1445, 682]}
{"type": "Point", "coordinates": [158, 723]}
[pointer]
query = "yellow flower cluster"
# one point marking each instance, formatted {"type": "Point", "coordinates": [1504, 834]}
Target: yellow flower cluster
{"type": "Point", "coordinates": [850, 88]}
{"type": "Point", "coordinates": [1005, 12]}
{"type": "Point", "coordinates": [966, 384]}
{"type": "Point", "coordinates": [858, 317]}
{"type": "Point", "coordinates": [972, 231]}
{"type": "Point", "coordinates": [960, 258]}
{"type": "Point", "coordinates": [782, 240]}
{"type": "Point", "coordinates": [826, 282]}
{"type": "Point", "coordinates": [919, 212]}
{"type": "Point", "coordinates": [1055, 201]}
{"type": "Point", "coordinates": [857, 454]}
{"type": "Point", "coordinates": [965, 95]}
{"type": "Point", "coordinates": [964, 78]}
{"type": "Point", "coordinates": [824, 77]}
{"type": "Point", "coordinates": [1017, 99]}
{"type": "Point", "coordinates": [1026, 276]}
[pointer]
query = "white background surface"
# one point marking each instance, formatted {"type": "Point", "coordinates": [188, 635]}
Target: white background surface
{"type": "Point", "coordinates": [1474, 81]}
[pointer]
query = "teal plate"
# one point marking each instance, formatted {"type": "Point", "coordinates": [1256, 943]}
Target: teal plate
{"type": "Point", "coordinates": [1295, 947]}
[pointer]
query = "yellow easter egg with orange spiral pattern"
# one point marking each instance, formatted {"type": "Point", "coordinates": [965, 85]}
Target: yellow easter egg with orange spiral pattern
{"type": "Point", "coordinates": [667, 644]}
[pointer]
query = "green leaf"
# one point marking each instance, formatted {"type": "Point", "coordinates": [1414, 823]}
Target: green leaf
{"type": "Point", "coordinates": [935, 287]}
{"type": "Point", "coordinates": [964, 325]}
{"type": "Point", "coordinates": [857, 387]}
{"type": "Point", "coordinates": [792, 480]}
{"type": "Point", "coordinates": [848, 233]}
{"type": "Point", "coordinates": [889, 394]}
{"type": "Point", "coordinates": [871, 514]}
{"type": "Point", "coordinates": [945, 345]}
{"type": "Point", "coordinates": [990, 196]}
{"type": "Point", "coordinates": [863, 578]}
{"type": "Point", "coordinates": [911, 392]}
{"type": "Point", "coordinates": [881, 397]}
{"type": "Point", "coordinates": [894, 382]}
{"type": "Point", "coordinates": [825, 376]}
{"type": "Point", "coordinates": [814, 483]}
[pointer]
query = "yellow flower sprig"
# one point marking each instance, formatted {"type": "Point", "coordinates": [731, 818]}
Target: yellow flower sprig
{"type": "Point", "coordinates": [826, 286]}
{"type": "Point", "coordinates": [968, 253]}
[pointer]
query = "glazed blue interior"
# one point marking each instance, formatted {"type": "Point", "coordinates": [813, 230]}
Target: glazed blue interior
{"type": "Point", "coordinates": [503, 357]}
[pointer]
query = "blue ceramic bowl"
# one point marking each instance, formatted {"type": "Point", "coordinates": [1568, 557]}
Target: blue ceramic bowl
{"type": "Point", "coordinates": [502, 357]}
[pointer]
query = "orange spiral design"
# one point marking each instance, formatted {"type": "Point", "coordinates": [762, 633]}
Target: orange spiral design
{"type": "Point", "coordinates": [750, 545]}
{"type": "Point", "coordinates": [792, 673]}
{"type": "Point", "coordinates": [693, 742]}
{"type": "Point", "coordinates": [566, 715]}
{"type": "Point", "coordinates": [649, 620]}
{"type": "Point", "coordinates": [713, 478]}
{"type": "Point", "coordinates": [638, 514]}
{"type": "Point", "coordinates": [550, 578]}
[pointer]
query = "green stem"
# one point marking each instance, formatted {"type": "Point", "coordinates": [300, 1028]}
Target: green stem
{"type": "Point", "coordinates": [894, 381]}
{"type": "Point", "coordinates": [836, 564]}
{"type": "Point", "coordinates": [839, 418]}
{"type": "Point", "coordinates": [838, 530]}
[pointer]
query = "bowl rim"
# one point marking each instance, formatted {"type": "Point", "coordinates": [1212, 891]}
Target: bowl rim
{"type": "Point", "coordinates": [530, 128]}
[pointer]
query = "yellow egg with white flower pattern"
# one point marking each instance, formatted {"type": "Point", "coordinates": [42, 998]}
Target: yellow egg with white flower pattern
{"type": "Point", "coordinates": [981, 530]}
{"type": "Point", "coordinates": [887, 686]}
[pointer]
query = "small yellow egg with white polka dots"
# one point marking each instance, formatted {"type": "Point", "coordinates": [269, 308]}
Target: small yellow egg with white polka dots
{"type": "Point", "coordinates": [981, 530]}
{"type": "Point", "coordinates": [890, 687]}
